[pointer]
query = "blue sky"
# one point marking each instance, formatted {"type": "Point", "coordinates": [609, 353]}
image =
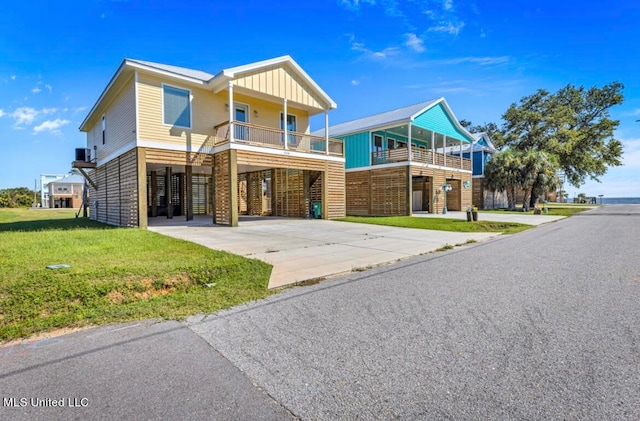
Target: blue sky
{"type": "Point", "coordinates": [368, 55]}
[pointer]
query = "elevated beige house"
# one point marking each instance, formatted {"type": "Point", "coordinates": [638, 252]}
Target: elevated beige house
{"type": "Point", "coordinates": [66, 192]}
{"type": "Point", "coordinates": [166, 141]}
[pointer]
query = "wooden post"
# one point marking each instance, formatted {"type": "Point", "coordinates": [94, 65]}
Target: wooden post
{"type": "Point", "coordinates": [233, 187]}
{"type": "Point", "coordinates": [142, 187]}
{"type": "Point", "coordinates": [325, 191]}
{"type": "Point", "coordinates": [168, 194]}
{"type": "Point", "coordinates": [370, 193]}
{"type": "Point", "coordinates": [213, 189]}
{"type": "Point", "coordinates": [409, 205]}
{"type": "Point", "coordinates": [154, 193]}
{"type": "Point", "coordinates": [274, 194]}
{"type": "Point", "coordinates": [188, 183]}
{"type": "Point", "coordinates": [305, 193]}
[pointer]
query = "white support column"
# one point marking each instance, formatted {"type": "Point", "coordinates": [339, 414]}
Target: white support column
{"type": "Point", "coordinates": [444, 149]}
{"type": "Point", "coordinates": [461, 166]}
{"type": "Point", "coordinates": [326, 131]}
{"type": "Point", "coordinates": [231, 109]}
{"type": "Point", "coordinates": [409, 143]}
{"type": "Point", "coordinates": [284, 124]}
{"type": "Point", "coordinates": [433, 147]}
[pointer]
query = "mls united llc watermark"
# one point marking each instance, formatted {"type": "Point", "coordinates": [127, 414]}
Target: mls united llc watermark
{"type": "Point", "coordinates": [45, 402]}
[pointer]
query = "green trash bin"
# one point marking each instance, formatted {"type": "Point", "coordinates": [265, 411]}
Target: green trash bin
{"type": "Point", "coordinates": [317, 210]}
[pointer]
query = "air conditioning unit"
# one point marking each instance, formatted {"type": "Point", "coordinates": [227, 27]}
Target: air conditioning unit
{"type": "Point", "coordinates": [83, 154]}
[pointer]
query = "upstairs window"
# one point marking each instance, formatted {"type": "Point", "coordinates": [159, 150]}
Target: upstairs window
{"type": "Point", "coordinates": [377, 143]}
{"type": "Point", "coordinates": [103, 126]}
{"type": "Point", "coordinates": [177, 106]}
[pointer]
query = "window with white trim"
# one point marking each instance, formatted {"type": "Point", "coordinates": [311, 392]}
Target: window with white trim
{"type": "Point", "coordinates": [103, 127]}
{"type": "Point", "coordinates": [177, 106]}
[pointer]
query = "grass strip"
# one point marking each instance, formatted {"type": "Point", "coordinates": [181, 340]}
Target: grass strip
{"type": "Point", "coordinates": [440, 224]}
{"type": "Point", "coordinates": [116, 274]}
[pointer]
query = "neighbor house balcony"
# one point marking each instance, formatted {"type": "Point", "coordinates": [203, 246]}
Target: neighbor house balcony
{"type": "Point", "coordinates": [420, 156]}
{"type": "Point", "coordinates": [269, 137]}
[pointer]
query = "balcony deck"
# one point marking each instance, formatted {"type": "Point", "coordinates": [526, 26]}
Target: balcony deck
{"type": "Point", "coordinates": [420, 156]}
{"type": "Point", "coordinates": [262, 136]}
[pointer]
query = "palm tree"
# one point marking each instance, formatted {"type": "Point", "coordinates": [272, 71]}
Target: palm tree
{"type": "Point", "coordinates": [531, 170]}
{"type": "Point", "coordinates": [503, 173]}
{"type": "Point", "coordinates": [538, 175]}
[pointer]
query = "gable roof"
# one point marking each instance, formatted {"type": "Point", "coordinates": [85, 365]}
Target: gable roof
{"type": "Point", "coordinates": [205, 79]}
{"type": "Point", "coordinates": [218, 82]}
{"type": "Point", "coordinates": [387, 118]}
{"type": "Point", "coordinates": [397, 117]}
{"type": "Point", "coordinates": [72, 178]}
{"type": "Point", "coordinates": [180, 71]}
{"type": "Point", "coordinates": [480, 138]}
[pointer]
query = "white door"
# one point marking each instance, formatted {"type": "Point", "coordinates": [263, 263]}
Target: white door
{"type": "Point", "coordinates": [417, 201]}
{"type": "Point", "coordinates": [241, 114]}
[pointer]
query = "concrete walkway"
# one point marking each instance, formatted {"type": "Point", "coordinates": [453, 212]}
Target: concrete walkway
{"type": "Point", "coordinates": [302, 249]}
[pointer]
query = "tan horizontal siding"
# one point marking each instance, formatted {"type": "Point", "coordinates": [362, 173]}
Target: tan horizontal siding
{"type": "Point", "coordinates": [206, 110]}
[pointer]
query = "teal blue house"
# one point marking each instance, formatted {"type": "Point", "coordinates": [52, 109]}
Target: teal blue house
{"type": "Point", "coordinates": [406, 160]}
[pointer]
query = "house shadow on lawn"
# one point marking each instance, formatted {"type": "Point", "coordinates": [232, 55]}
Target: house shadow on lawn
{"type": "Point", "coordinates": [66, 224]}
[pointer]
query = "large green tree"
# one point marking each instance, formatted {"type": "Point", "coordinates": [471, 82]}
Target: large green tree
{"type": "Point", "coordinates": [574, 125]}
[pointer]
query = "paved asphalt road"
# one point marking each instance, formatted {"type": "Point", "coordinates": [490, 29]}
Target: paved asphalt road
{"type": "Point", "coordinates": [544, 324]}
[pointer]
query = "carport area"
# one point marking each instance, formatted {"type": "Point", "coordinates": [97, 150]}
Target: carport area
{"type": "Point", "coordinates": [304, 249]}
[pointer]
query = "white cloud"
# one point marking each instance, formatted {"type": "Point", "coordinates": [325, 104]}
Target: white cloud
{"type": "Point", "coordinates": [447, 5]}
{"type": "Point", "coordinates": [375, 55]}
{"type": "Point", "coordinates": [48, 87]}
{"type": "Point", "coordinates": [448, 27]}
{"type": "Point", "coordinates": [51, 126]}
{"type": "Point", "coordinates": [13, 77]}
{"type": "Point", "coordinates": [26, 116]}
{"type": "Point", "coordinates": [482, 61]}
{"type": "Point", "coordinates": [354, 4]}
{"type": "Point", "coordinates": [36, 90]}
{"type": "Point", "coordinates": [355, 82]}
{"type": "Point", "coordinates": [414, 42]}
{"type": "Point", "coordinates": [631, 157]}
{"type": "Point", "coordinates": [23, 116]}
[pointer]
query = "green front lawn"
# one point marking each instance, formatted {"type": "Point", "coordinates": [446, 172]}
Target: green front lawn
{"type": "Point", "coordinates": [440, 224]}
{"type": "Point", "coordinates": [116, 274]}
{"type": "Point", "coordinates": [552, 209]}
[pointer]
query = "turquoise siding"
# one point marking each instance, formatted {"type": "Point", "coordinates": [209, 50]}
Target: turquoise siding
{"type": "Point", "coordinates": [437, 119]}
{"type": "Point", "coordinates": [386, 135]}
{"type": "Point", "coordinates": [357, 150]}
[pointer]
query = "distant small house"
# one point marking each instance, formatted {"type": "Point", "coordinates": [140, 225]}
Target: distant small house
{"type": "Point", "coordinates": [406, 160]}
{"type": "Point", "coordinates": [66, 192]}
{"type": "Point", "coordinates": [45, 179]}
{"type": "Point", "coordinates": [479, 152]}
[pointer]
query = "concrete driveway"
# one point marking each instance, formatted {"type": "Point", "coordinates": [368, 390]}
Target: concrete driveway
{"type": "Point", "coordinates": [302, 249]}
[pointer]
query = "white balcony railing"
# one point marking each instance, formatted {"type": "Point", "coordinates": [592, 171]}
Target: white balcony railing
{"type": "Point", "coordinates": [419, 155]}
{"type": "Point", "coordinates": [269, 137]}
